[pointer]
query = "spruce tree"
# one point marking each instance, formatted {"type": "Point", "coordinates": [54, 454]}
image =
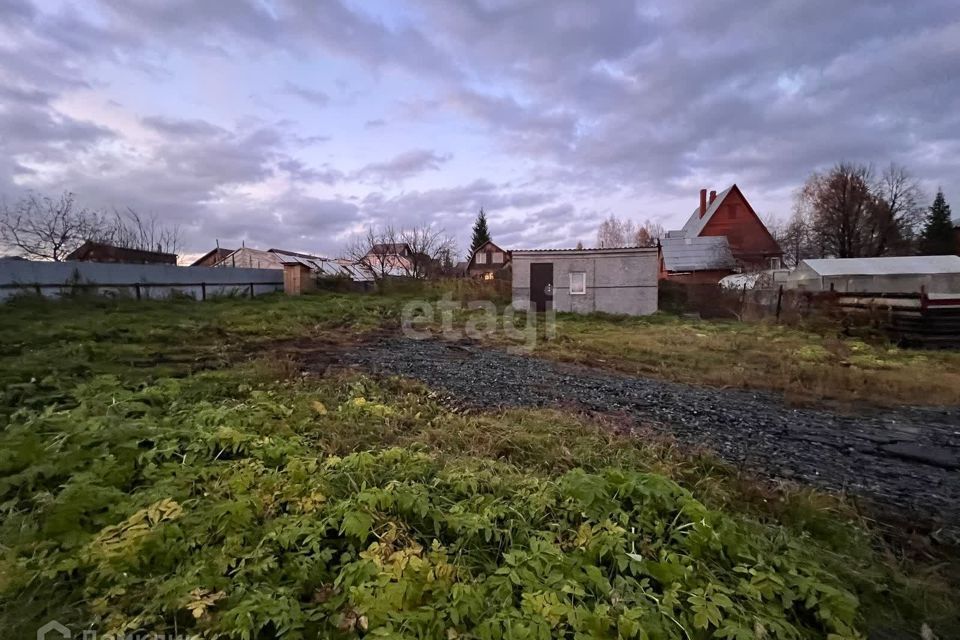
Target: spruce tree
{"type": "Point", "coordinates": [938, 235]}
{"type": "Point", "coordinates": [480, 232]}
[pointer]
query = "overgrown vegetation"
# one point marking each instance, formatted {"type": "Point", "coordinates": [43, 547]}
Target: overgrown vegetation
{"type": "Point", "coordinates": [159, 471]}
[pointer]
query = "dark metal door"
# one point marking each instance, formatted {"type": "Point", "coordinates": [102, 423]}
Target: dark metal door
{"type": "Point", "coordinates": [541, 285]}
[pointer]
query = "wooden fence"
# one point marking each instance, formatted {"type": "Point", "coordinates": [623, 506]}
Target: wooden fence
{"type": "Point", "coordinates": [915, 319]}
{"type": "Point", "coordinates": [920, 319]}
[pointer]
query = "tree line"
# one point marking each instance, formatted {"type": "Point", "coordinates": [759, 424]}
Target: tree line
{"type": "Point", "coordinates": [852, 211]}
{"type": "Point", "coordinates": [44, 228]}
{"type": "Point", "coordinates": [616, 232]}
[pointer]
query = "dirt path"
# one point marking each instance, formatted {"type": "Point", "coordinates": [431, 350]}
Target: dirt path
{"type": "Point", "coordinates": [908, 458]}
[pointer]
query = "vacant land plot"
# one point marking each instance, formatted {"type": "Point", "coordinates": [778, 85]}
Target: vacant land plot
{"type": "Point", "coordinates": [166, 466]}
{"type": "Point", "coordinates": [803, 364]}
{"type": "Point", "coordinates": [905, 460]}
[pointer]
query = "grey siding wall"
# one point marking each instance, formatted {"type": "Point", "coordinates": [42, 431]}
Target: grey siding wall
{"type": "Point", "coordinates": [54, 279]}
{"type": "Point", "coordinates": [618, 280]}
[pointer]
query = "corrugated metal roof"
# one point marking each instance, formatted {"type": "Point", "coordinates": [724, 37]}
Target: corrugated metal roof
{"type": "Point", "coordinates": [697, 254]}
{"type": "Point", "coordinates": [899, 265]}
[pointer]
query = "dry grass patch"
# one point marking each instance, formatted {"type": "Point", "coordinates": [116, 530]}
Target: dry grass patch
{"type": "Point", "coordinates": [803, 364]}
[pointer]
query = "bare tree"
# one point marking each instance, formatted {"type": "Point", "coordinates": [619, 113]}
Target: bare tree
{"type": "Point", "coordinates": [648, 234]}
{"type": "Point", "coordinates": [388, 251]}
{"type": "Point", "coordinates": [131, 230]}
{"type": "Point", "coordinates": [898, 211]}
{"type": "Point", "coordinates": [429, 246]}
{"type": "Point", "coordinates": [796, 239]}
{"type": "Point", "coordinates": [47, 229]}
{"type": "Point", "coordinates": [614, 232]}
{"type": "Point", "coordinates": [370, 251]}
{"type": "Point", "coordinates": [854, 214]}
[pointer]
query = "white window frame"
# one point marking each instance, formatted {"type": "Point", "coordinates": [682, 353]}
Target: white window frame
{"type": "Point", "coordinates": [481, 257]}
{"type": "Point", "coordinates": [578, 288]}
{"type": "Point", "coordinates": [496, 257]}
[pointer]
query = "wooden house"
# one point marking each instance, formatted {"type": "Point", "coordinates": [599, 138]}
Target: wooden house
{"type": "Point", "coordinates": [723, 235]}
{"type": "Point", "coordinates": [488, 262]}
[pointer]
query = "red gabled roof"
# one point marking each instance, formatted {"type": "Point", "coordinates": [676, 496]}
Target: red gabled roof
{"type": "Point", "coordinates": [696, 224]}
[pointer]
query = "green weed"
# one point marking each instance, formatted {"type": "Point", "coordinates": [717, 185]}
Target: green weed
{"type": "Point", "coordinates": [158, 474]}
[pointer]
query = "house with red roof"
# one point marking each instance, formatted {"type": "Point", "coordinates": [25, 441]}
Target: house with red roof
{"type": "Point", "coordinates": [723, 235]}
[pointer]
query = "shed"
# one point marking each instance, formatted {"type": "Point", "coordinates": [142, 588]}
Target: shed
{"type": "Point", "coordinates": [297, 279]}
{"type": "Point", "coordinates": [902, 274]}
{"type": "Point", "coordinates": [621, 280]}
{"type": "Point", "coordinates": [695, 259]}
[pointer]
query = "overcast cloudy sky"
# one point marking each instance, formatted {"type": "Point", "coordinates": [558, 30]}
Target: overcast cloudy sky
{"type": "Point", "coordinates": [295, 123]}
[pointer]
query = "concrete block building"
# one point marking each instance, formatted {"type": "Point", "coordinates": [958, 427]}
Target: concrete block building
{"type": "Point", "coordinates": [621, 280]}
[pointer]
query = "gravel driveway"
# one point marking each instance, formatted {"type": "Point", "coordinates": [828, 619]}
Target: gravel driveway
{"type": "Point", "coordinates": [907, 458]}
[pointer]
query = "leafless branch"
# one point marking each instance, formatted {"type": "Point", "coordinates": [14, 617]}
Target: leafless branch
{"type": "Point", "coordinates": [46, 229]}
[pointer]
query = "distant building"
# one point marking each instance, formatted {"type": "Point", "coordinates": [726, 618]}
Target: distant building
{"type": "Point", "coordinates": [488, 262]}
{"type": "Point", "coordinates": [249, 258]}
{"type": "Point", "coordinates": [389, 259]}
{"type": "Point", "coordinates": [212, 257]}
{"type": "Point", "coordinates": [900, 274]}
{"type": "Point", "coordinates": [91, 251]}
{"type": "Point", "coordinates": [723, 235]}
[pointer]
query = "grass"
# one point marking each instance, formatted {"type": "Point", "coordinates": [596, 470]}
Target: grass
{"type": "Point", "coordinates": [804, 364]}
{"type": "Point", "coordinates": [159, 470]}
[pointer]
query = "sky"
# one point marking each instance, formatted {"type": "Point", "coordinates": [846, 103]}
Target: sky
{"type": "Point", "coordinates": [299, 123]}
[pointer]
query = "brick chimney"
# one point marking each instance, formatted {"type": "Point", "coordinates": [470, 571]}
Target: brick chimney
{"type": "Point", "coordinates": [703, 202]}
{"type": "Point", "coordinates": [713, 196]}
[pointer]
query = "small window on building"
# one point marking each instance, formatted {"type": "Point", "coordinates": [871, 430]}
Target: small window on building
{"type": "Point", "coordinates": [481, 258]}
{"type": "Point", "coordinates": [578, 283]}
{"type": "Point", "coordinates": [776, 263]}
{"type": "Point", "coordinates": [497, 257]}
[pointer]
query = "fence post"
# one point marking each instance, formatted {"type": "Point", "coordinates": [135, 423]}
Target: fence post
{"type": "Point", "coordinates": [779, 301]}
{"type": "Point", "coordinates": [203, 290]}
{"type": "Point", "coordinates": [136, 288]}
{"type": "Point", "coordinates": [251, 291]}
